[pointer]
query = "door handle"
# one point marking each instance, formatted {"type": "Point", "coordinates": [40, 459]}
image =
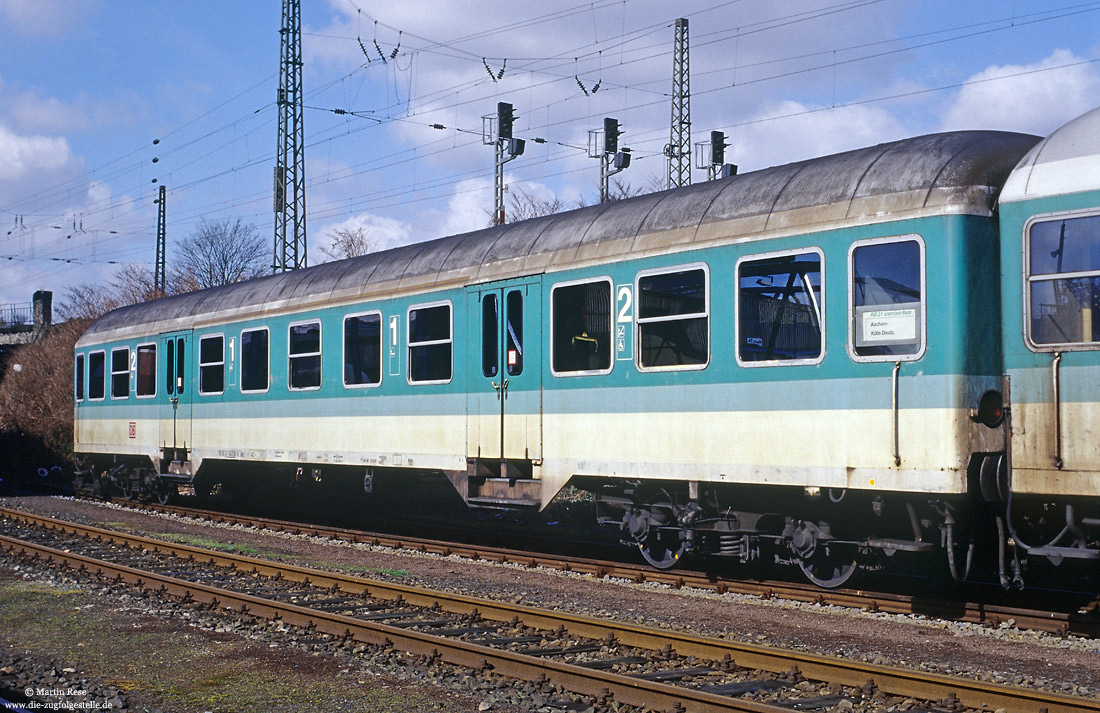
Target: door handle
{"type": "Point", "coordinates": [496, 388]}
{"type": "Point", "coordinates": [504, 388]}
{"type": "Point", "coordinates": [1054, 367]}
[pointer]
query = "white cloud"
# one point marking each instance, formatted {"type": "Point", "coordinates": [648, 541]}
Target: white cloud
{"type": "Point", "coordinates": [42, 18]}
{"type": "Point", "coordinates": [1034, 98]}
{"type": "Point", "coordinates": [548, 100]}
{"type": "Point", "coordinates": [792, 131]}
{"type": "Point", "coordinates": [469, 208]}
{"type": "Point", "coordinates": [23, 157]}
{"type": "Point", "coordinates": [385, 232]}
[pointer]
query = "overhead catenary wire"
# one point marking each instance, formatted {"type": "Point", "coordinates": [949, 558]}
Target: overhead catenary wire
{"type": "Point", "coordinates": [638, 137]}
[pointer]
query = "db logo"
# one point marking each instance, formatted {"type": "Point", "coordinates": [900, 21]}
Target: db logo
{"type": "Point", "coordinates": [133, 429]}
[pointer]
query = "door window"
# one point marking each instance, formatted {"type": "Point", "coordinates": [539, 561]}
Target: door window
{"type": "Point", "coordinates": [490, 328]}
{"type": "Point", "coordinates": [513, 332]}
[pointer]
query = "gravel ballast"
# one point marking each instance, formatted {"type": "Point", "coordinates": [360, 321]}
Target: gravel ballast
{"type": "Point", "coordinates": [1005, 654]}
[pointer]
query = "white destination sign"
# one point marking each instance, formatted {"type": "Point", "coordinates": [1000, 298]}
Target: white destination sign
{"type": "Point", "coordinates": [890, 325]}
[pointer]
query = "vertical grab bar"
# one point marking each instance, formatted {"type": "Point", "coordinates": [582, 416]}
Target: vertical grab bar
{"type": "Point", "coordinates": [894, 400]}
{"type": "Point", "coordinates": [1055, 365]}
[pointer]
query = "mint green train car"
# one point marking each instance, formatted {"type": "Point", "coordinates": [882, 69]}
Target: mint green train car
{"type": "Point", "coordinates": [822, 364]}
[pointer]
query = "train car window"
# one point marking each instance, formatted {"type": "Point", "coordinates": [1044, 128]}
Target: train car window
{"type": "Point", "coordinates": [780, 311]}
{"type": "Point", "coordinates": [304, 351]}
{"type": "Point", "coordinates": [212, 364]}
{"type": "Point", "coordinates": [254, 363]}
{"type": "Point", "coordinates": [513, 332]}
{"type": "Point", "coordinates": [580, 325]}
{"type": "Point", "coordinates": [363, 349]}
{"type": "Point", "coordinates": [146, 370]}
{"type": "Point", "coordinates": [180, 362]}
{"type": "Point", "coordinates": [120, 373]}
{"type": "Point", "coordinates": [170, 371]}
{"type": "Point", "coordinates": [97, 368]}
{"type": "Point", "coordinates": [430, 344]}
{"type": "Point", "coordinates": [490, 331]}
{"type": "Point", "coordinates": [78, 378]}
{"type": "Point", "coordinates": [886, 292]}
{"type": "Point", "coordinates": [673, 319]}
{"type": "Point", "coordinates": [1063, 282]}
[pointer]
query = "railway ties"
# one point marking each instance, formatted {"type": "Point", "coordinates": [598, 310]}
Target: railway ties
{"type": "Point", "coordinates": [660, 670]}
{"type": "Point", "coordinates": [1059, 619]}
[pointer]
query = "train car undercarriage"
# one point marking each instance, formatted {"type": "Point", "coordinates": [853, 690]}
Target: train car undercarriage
{"type": "Point", "coordinates": [832, 535]}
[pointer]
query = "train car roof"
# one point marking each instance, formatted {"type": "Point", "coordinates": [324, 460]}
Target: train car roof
{"type": "Point", "coordinates": [1067, 161]}
{"type": "Point", "coordinates": [956, 173]}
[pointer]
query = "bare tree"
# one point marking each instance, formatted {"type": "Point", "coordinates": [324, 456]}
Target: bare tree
{"type": "Point", "coordinates": [524, 204]}
{"type": "Point", "coordinates": [620, 189]}
{"type": "Point", "coordinates": [36, 393]}
{"type": "Point", "coordinates": [220, 252]}
{"type": "Point", "coordinates": [132, 283]}
{"type": "Point", "coordinates": [347, 243]}
{"type": "Point", "coordinates": [87, 301]}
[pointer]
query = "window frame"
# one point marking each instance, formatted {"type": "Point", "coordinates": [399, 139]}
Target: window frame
{"type": "Point", "coordinates": [639, 320]}
{"type": "Point", "coordinates": [1027, 282]}
{"type": "Point", "coordinates": [222, 363]}
{"type": "Point", "coordinates": [509, 334]}
{"type": "Point", "coordinates": [113, 373]}
{"type": "Point", "coordinates": [610, 320]}
{"type": "Point", "coordinates": [409, 342]}
{"type": "Point", "coordinates": [291, 357]}
{"type": "Point", "coordinates": [240, 380]}
{"type": "Point", "coordinates": [344, 348]}
{"type": "Point", "coordinates": [106, 375]}
{"type": "Point", "coordinates": [137, 371]}
{"type": "Point", "coordinates": [80, 381]}
{"type": "Point", "coordinates": [822, 318]}
{"type": "Point", "coordinates": [851, 308]}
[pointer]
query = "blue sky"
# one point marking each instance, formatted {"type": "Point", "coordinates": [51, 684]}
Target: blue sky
{"type": "Point", "coordinates": [86, 86]}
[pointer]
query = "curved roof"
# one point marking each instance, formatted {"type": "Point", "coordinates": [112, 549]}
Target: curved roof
{"type": "Point", "coordinates": [958, 172]}
{"type": "Point", "coordinates": [1067, 161]}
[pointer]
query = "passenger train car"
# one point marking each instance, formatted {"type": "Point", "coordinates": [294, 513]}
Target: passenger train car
{"type": "Point", "coordinates": [821, 364]}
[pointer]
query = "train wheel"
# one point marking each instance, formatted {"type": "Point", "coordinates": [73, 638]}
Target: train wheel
{"type": "Point", "coordinates": [165, 493]}
{"type": "Point", "coordinates": [831, 566]}
{"type": "Point", "coordinates": [662, 548]}
{"type": "Point", "coordinates": [129, 489]}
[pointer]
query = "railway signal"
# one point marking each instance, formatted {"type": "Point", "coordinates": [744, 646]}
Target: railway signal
{"type": "Point", "coordinates": [711, 155]}
{"type": "Point", "coordinates": [612, 159]}
{"type": "Point", "coordinates": [497, 131]}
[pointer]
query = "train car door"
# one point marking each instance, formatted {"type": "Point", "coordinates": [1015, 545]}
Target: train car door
{"type": "Point", "coordinates": [175, 417]}
{"type": "Point", "coordinates": [504, 404]}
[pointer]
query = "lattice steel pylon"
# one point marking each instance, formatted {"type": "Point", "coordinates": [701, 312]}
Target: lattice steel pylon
{"type": "Point", "coordinates": [678, 149]}
{"type": "Point", "coordinates": [290, 161]}
{"type": "Point", "coordinates": [162, 240]}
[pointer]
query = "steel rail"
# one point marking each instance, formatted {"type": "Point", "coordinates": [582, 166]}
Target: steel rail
{"type": "Point", "coordinates": [1061, 623]}
{"type": "Point", "coordinates": [890, 680]}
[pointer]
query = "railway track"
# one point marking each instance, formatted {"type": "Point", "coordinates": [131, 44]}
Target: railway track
{"type": "Point", "coordinates": [599, 659]}
{"type": "Point", "coordinates": [1084, 622]}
